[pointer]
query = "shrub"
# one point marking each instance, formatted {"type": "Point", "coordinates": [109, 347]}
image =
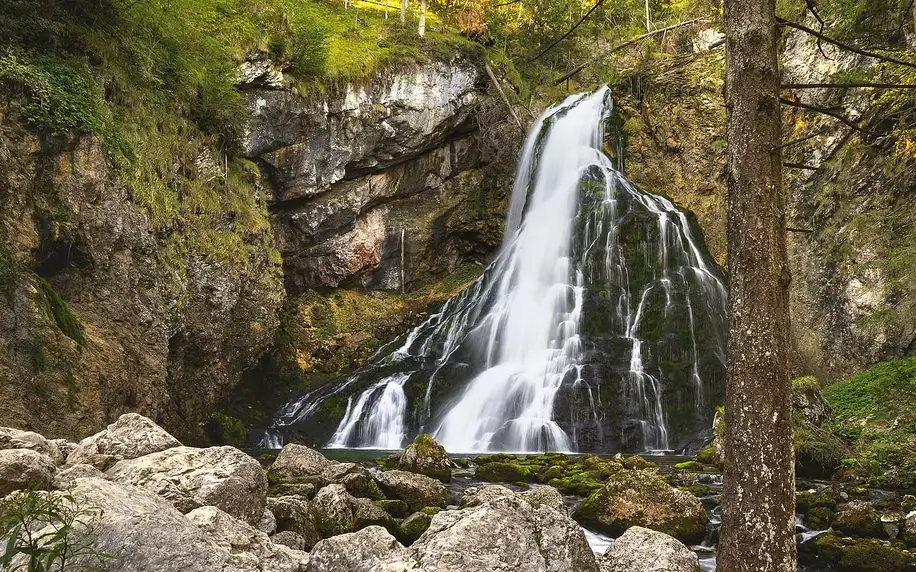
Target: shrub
{"type": "Point", "coordinates": [48, 531]}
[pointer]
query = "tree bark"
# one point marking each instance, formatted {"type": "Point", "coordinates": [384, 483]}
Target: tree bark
{"type": "Point", "coordinates": [422, 28]}
{"type": "Point", "coordinates": [758, 517]}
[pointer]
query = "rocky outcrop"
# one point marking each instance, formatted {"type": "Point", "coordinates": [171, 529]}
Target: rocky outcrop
{"type": "Point", "coordinates": [643, 550]}
{"type": "Point", "coordinates": [129, 437]}
{"type": "Point", "coordinates": [642, 498]}
{"type": "Point", "coordinates": [189, 478]}
{"type": "Point", "coordinates": [426, 457]}
{"type": "Point", "coordinates": [356, 166]}
{"type": "Point", "coordinates": [809, 403]}
{"type": "Point", "coordinates": [371, 549]}
{"type": "Point", "coordinates": [333, 511]}
{"type": "Point", "coordinates": [22, 469]}
{"type": "Point", "coordinates": [418, 491]}
{"type": "Point", "coordinates": [15, 439]}
{"type": "Point", "coordinates": [112, 304]}
{"type": "Point", "coordinates": [296, 462]}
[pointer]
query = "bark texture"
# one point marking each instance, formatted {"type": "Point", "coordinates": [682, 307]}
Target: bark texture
{"type": "Point", "coordinates": [759, 494]}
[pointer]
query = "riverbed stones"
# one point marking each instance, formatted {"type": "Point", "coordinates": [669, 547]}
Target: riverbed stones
{"type": "Point", "coordinates": [371, 549]}
{"type": "Point", "coordinates": [250, 548]}
{"type": "Point", "coordinates": [502, 531]}
{"type": "Point", "coordinates": [418, 491]}
{"type": "Point", "coordinates": [426, 457]}
{"type": "Point", "coordinates": [332, 510]}
{"type": "Point", "coordinates": [294, 514]}
{"type": "Point", "coordinates": [859, 518]}
{"type": "Point", "coordinates": [642, 550]}
{"type": "Point", "coordinates": [643, 498]}
{"type": "Point", "coordinates": [130, 437]}
{"type": "Point", "coordinates": [190, 478]}
{"type": "Point", "coordinates": [25, 469]}
{"type": "Point", "coordinates": [15, 439]}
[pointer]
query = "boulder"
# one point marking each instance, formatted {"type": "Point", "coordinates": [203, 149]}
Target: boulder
{"type": "Point", "coordinates": [354, 477]}
{"type": "Point", "coordinates": [332, 511]}
{"type": "Point", "coordinates": [294, 514]}
{"type": "Point", "coordinates": [249, 547]}
{"type": "Point", "coordinates": [412, 527]}
{"type": "Point", "coordinates": [143, 532]}
{"type": "Point", "coordinates": [268, 522]}
{"type": "Point", "coordinates": [418, 491]}
{"type": "Point", "coordinates": [545, 496]}
{"type": "Point", "coordinates": [395, 507]}
{"type": "Point", "coordinates": [908, 534]}
{"type": "Point", "coordinates": [65, 447]}
{"type": "Point", "coordinates": [367, 514]}
{"type": "Point", "coordinates": [306, 490]}
{"type": "Point", "coordinates": [189, 478]}
{"type": "Point", "coordinates": [25, 469]}
{"type": "Point", "coordinates": [295, 462]}
{"type": "Point", "coordinates": [15, 439]}
{"type": "Point", "coordinates": [426, 457]}
{"type": "Point", "coordinates": [642, 498]}
{"type": "Point", "coordinates": [130, 437]}
{"type": "Point", "coordinates": [859, 518]}
{"type": "Point", "coordinates": [371, 549]}
{"type": "Point", "coordinates": [290, 539]}
{"type": "Point", "coordinates": [644, 550]}
{"type": "Point", "coordinates": [65, 477]}
{"type": "Point", "coordinates": [808, 401]}
{"type": "Point", "coordinates": [500, 530]}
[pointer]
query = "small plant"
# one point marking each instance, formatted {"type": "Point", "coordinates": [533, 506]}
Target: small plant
{"type": "Point", "coordinates": [43, 531]}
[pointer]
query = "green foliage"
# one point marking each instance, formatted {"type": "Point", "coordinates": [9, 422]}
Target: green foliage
{"type": "Point", "coordinates": [48, 531]}
{"type": "Point", "coordinates": [57, 309]}
{"type": "Point", "coordinates": [60, 93]}
{"type": "Point", "coordinates": [225, 430]}
{"type": "Point", "coordinates": [806, 384]}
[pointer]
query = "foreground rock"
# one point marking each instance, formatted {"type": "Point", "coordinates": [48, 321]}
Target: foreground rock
{"type": "Point", "coordinates": [294, 515]}
{"type": "Point", "coordinates": [644, 550]}
{"type": "Point", "coordinates": [250, 548]}
{"type": "Point", "coordinates": [371, 549]}
{"type": "Point", "coordinates": [300, 466]}
{"type": "Point", "coordinates": [642, 498]}
{"type": "Point", "coordinates": [333, 511]}
{"type": "Point", "coordinates": [418, 491]}
{"type": "Point", "coordinates": [297, 462]}
{"type": "Point", "coordinates": [426, 457]}
{"type": "Point", "coordinates": [190, 478]}
{"type": "Point", "coordinates": [15, 439]}
{"type": "Point", "coordinates": [500, 530]}
{"type": "Point", "coordinates": [22, 469]}
{"type": "Point", "coordinates": [130, 437]}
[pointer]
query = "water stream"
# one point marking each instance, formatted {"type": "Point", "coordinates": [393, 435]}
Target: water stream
{"type": "Point", "coordinates": [598, 327]}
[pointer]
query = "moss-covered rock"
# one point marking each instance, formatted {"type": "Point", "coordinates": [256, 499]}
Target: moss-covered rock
{"type": "Point", "coordinates": [504, 472]}
{"type": "Point", "coordinates": [412, 527]}
{"type": "Point", "coordinates": [643, 498]}
{"type": "Point", "coordinates": [707, 455]}
{"type": "Point", "coordinates": [694, 466]}
{"type": "Point", "coordinates": [806, 500]}
{"type": "Point", "coordinates": [225, 430]}
{"type": "Point", "coordinates": [395, 507]}
{"type": "Point", "coordinates": [857, 554]}
{"type": "Point", "coordinates": [426, 457]}
{"type": "Point", "coordinates": [859, 519]}
{"type": "Point", "coordinates": [819, 518]}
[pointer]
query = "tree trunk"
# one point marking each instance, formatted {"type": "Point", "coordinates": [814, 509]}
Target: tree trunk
{"type": "Point", "coordinates": [758, 500]}
{"type": "Point", "coordinates": [422, 28]}
{"type": "Point", "coordinates": [403, 11]}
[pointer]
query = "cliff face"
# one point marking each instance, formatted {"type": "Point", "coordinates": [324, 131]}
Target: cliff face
{"type": "Point", "coordinates": [103, 314]}
{"type": "Point", "coordinates": [850, 219]}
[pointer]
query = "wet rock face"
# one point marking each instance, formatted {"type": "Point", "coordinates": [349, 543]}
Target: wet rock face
{"type": "Point", "coordinates": [355, 167]}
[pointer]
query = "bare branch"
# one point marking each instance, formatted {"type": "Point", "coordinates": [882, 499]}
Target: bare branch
{"type": "Point", "coordinates": [822, 111]}
{"type": "Point", "coordinates": [798, 141]}
{"type": "Point", "coordinates": [499, 88]}
{"type": "Point", "coordinates": [800, 166]}
{"type": "Point", "coordinates": [848, 85]}
{"type": "Point", "coordinates": [839, 44]}
{"type": "Point", "coordinates": [571, 30]}
{"type": "Point", "coordinates": [623, 45]}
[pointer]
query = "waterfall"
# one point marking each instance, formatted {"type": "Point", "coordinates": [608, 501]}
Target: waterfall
{"type": "Point", "coordinates": [598, 327]}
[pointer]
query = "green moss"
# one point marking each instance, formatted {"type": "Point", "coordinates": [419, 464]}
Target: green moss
{"type": "Point", "coordinates": [694, 466]}
{"type": "Point", "coordinates": [59, 311]}
{"type": "Point", "coordinates": [806, 384]}
{"type": "Point", "coordinates": [502, 472]}
{"type": "Point", "coordinates": [818, 453]}
{"type": "Point", "coordinates": [707, 455]}
{"type": "Point", "coordinates": [806, 500]}
{"type": "Point", "coordinates": [222, 429]}
{"type": "Point", "coordinates": [860, 555]}
{"type": "Point", "coordinates": [819, 518]}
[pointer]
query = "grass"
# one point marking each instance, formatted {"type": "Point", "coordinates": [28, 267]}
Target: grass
{"type": "Point", "coordinates": [58, 310]}
{"type": "Point", "coordinates": [876, 413]}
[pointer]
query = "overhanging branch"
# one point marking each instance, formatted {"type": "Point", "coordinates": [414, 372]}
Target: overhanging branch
{"type": "Point", "coordinates": [839, 44]}
{"type": "Point", "coordinates": [822, 111]}
{"type": "Point", "coordinates": [569, 33]}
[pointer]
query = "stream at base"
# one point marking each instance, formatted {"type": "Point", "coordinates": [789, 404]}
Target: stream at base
{"type": "Point", "coordinates": [463, 478]}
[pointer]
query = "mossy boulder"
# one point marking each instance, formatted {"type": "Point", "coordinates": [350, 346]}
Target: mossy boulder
{"type": "Point", "coordinates": [819, 518]}
{"type": "Point", "coordinates": [818, 453]}
{"type": "Point", "coordinates": [808, 405]}
{"type": "Point", "coordinates": [426, 457]}
{"type": "Point", "coordinates": [412, 527]}
{"type": "Point", "coordinates": [694, 466]}
{"type": "Point", "coordinates": [807, 500]}
{"type": "Point", "coordinates": [570, 474]}
{"type": "Point", "coordinates": [856, 555]}
{"type": "Point", "coordinates": [643, 498]}
{"type": "Point", "coordinates": [860, 519]}
{"type": "Point", "coordinates": [707, 455]}
{"type": "Point", "coordinates": [395, 507]}
{"type": "Point", "coordinates": [503, 472]}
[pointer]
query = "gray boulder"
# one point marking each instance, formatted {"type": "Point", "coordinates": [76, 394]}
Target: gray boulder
{"type": "Point", "coordinates": [371, 549]}
{"type": "Point", "coordinates": [25, 469]}
{"type": "Point", "coordinates": [643, 498]}
{"type": "Point", "coordinates": [130, 437]}
{"type": "Point", "coordinates": [15, 439]}
{"type": "Point", "coordinates": [418, 491]}
{"type": "Point", "coordinates": [332, 510]}
{"type": "Point", "coordinates": [427, 457]}
{"type": "Point", "coordinates": [295, 462]}
{"type": "Point", "coordinates": [808, 401]}
{"type": "Point", "coordinates": [65, 477]}
{"type": "Point", "coordinates": [268, 522]}
{"type": "Point", "coordinates": [294, 514]}
{"type": "Point", "coordinates": [644, 550]}
{"type": "Point", "coordinates": [501, 530]}
{"type": "Point", "coordinates": [366, 514]}
{"type": "Point", "coordinates": [189, 478]}
{"type": "Point", "coordinates": [250, 548]}
{"type": "Point", "coordinates": [413, 527]}
{"type": "Point", "coordinates": [290, 539]}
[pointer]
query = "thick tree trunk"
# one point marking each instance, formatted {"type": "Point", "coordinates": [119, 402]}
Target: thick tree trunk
{"type": "Point", "coordinates": [422, 28]}
{"type": "Point", "coordinates": [758, 500]}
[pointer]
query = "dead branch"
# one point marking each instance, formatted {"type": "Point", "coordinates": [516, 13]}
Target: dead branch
{"type": "Point", "coordinates": [800, 166]}
{"type": "Point", "coordinates": [822, 111]}
{"type": "Point", "coordinates": [571, 30]}
{"type": "Point", "coordinates": [800, 140]}
{"type": "Point", "coordinates": [502, 93]}
{"type": "Point", "coordinates": [848, 85]}
{"type": "Point", "coordinates": [839, 44]}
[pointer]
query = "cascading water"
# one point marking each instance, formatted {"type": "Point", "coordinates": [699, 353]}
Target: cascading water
{"type": "Point", "coordinates": [599, 327]}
